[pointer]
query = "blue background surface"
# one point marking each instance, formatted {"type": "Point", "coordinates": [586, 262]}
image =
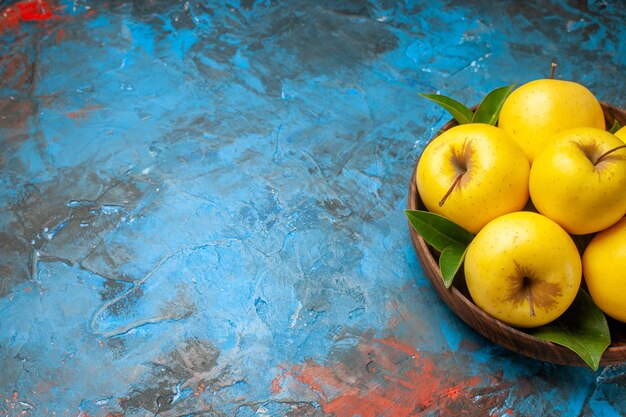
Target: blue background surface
{"type": "Point", "coordinates": [201, 205]}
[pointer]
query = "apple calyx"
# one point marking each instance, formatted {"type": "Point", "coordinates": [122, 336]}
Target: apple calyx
{"type": "Point", "coordinates": [607, 153]}
{"type": "Point", "coordinates": [529, 295]}
{"type": "Point", "coordinates": [522, 288]}
{"type": "Point", "coordinates": [459, 161]}
{"type": "Point", "coordinates": [531, 289]}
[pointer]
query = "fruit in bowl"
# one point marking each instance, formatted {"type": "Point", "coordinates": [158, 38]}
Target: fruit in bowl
{"type": "Point", "coordinates": [472, 174]}
{"type": "Point", "coordinates": [540, 109]}
{"type": "Point", "coordinates": [523, 269]}
{"type": "Point", "coordinates": [604, 263]}
{"type": "Point", "coordinates": [463, 265]}
{"type": "Point", "coordinates": [579, 180]}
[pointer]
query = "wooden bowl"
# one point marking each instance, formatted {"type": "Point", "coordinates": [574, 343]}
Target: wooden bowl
{"type": "Point", "coordinates": [458, 299]}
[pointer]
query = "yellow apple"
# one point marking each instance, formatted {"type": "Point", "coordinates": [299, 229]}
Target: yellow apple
{"type": "Point", "coordinates": [471, 174]}
{"type": "Point", "coordinates": [621, 134]}
{"type": "Point", "coordinates": [574, 185]}
{"type": "Point", "coordinates": [537, 110]}
{"type": "Point", "coordinates": [604, 266]}
{"type": "Point", "coordinates": [523, 269]}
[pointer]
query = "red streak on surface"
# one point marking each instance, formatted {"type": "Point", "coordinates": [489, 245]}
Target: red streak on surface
{"type": "Point", "coordinates": [34, 10]}
{"type": "Point", "coordinates": [385, 377]}
{"type": "Point", "coordinates": [453, 392]}
{"type": "Point", "coordinates": [276, 384]}
{"type": "Point", "coordinates": [404, 348]}
{"type": "Point", "coordinates": [60, 35]}
{"type": "Point", "coordinates": [83, 113]}
{"type": "Point", "coordinates": [310, 379]}
{"type": "Point", "coordinates": [79, 114]}
{"type": "Point", "coordinates": [25, 11]}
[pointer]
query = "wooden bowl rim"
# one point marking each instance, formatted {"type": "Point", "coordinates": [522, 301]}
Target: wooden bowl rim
{"type": "Point", "coordinates": [506, 336]}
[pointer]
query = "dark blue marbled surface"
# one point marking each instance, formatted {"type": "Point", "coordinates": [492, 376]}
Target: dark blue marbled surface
{"type": "Point", "coordinates": [202, 205]}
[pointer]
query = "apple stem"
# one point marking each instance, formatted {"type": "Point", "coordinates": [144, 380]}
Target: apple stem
{"type": "Point", "coordinates": [454, 183]}
{"type": "Point", "coordinates": [552, 70]}
{"type": "Point", "coordinates": [610, 151]}
{"type": "Point", "coordinates": [529, 297]}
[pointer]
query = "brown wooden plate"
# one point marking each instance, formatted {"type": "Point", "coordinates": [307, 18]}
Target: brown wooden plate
{"type": "Point", "coordinates": [458, 299]}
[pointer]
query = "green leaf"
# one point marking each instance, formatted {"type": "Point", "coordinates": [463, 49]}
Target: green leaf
{"type": "Point", "coordinates": [458, 110]}
{"type": "Point", "coordinates": [616, 126]}
{"type": "Point", "coordinates": [489, 109]}
{"type": "Point", "coordinates": [582, 328]}
{"type": "Point", "coordinates": [438, 231]}
{"type": "Point", "coordinates": [450, 261]}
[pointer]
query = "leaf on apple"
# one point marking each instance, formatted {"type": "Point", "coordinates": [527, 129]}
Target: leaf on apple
{"type": "Point", "coordinates": [582, 328]}
{"type": "Point", "coordinates": [459, 111]}
{"type": "Point", "coordinates": [487, 112]}
{"type": "Point", "coordinates": [489, 109]}
{"type": "Point", "coordinates": [616, 126]}
{"type": "Point", "coordinates": [447, 237]}
{"type": "Point", "coordinates": [450, 262]}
